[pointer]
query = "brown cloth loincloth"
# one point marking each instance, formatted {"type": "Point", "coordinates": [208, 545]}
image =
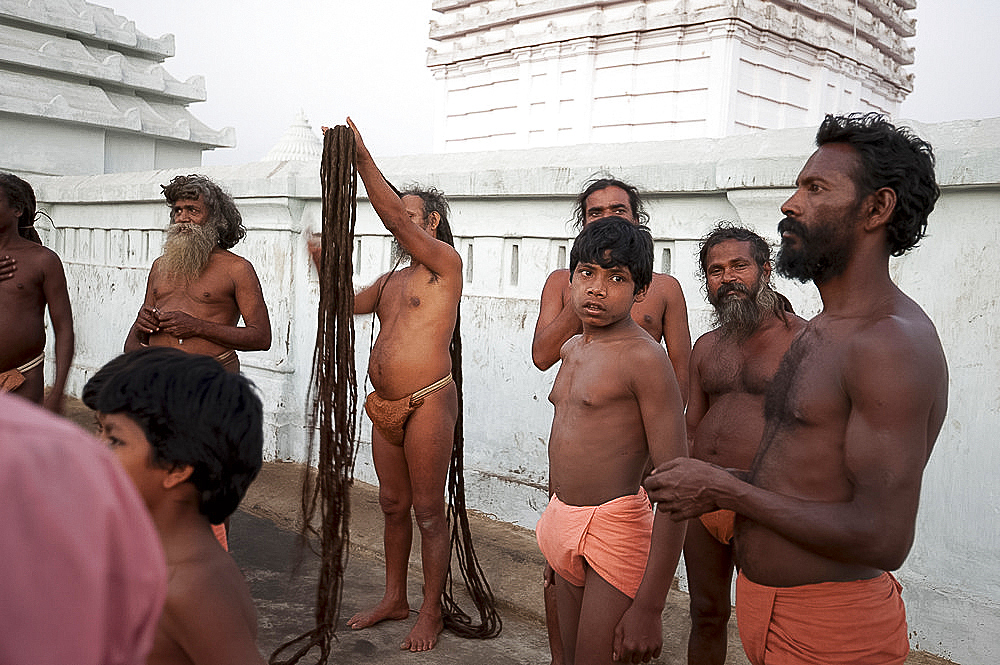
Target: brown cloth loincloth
{"type": "Point", "coordinates": [229, 360]}
{"type": "Point", "coordinates": [862, 622]}
{"type": "Point", "coordinates": [720, 524]}
{"type": "Point", "coordinates": [389, 416]}
{"type": "Point", "coordinates": [12, 379]}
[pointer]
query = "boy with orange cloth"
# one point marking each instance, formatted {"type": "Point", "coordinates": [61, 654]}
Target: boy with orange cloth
{"type": "Point", "coordinates": [617, 405]}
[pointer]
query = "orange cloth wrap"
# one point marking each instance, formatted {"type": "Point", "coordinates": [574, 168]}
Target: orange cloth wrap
{"type": "Point", "coordinates": [612, 538]}
{"type": "Point", "coordinates": [831, 623]}
{"type": "Point", "coordinates": [720, 523]}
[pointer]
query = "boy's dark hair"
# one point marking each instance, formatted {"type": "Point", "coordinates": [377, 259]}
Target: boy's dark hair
{"type": "Point", "coordinates": [20, 194]}
{"type": "Point", "coordinates": [222, 210]}
{"type": "Point", "coordinates": [596, 185]}
{"type": "Point", "coordinates": [193, 412]}
{"type": "Point", "coordinates": [615, 241]}
{"type": "Point", "coordinates": [892, 157]}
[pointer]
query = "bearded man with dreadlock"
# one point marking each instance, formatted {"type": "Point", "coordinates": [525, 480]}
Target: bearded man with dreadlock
{"type": "Point", "coordinates": [198, 290]}
{"type": "Point", "coordinates": [415, 404]}
{"type": "Point", "coordinates": [31, 279]}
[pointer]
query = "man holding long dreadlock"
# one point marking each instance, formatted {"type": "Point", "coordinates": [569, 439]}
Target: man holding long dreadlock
{"type": "Point", "coordinates": [414, 406]}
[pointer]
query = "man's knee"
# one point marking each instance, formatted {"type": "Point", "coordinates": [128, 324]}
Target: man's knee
{"type": "Point", "coordinates": [393, 504]}
{"type": "Point", "coordinates": [709, 611]}
{"type": "Point", "coordinates": [430, 516]}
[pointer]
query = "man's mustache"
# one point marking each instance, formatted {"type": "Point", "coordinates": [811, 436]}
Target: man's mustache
{"type": "Point", "coordinates": [731, 287]}
{"type": "Point", "coordinates": [793, 226]}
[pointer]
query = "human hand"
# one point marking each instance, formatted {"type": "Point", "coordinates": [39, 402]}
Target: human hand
{"type": "Point", "coordinates": [685, 487]}
{"type": "Point", "coordinates": [8, 266]}
{"type": "Point", "coordinates": [638, 636]}
{"type": "Point", "coordinates": [315, 246]}
{"type": "Point", "coordinates": [549, 576]}
{"type": "Point", "coordinates": [180, 324]}
{"type": "Point", "coordinates": [54, 402]}
{"type": "Point", "coordinates": [148, 320]}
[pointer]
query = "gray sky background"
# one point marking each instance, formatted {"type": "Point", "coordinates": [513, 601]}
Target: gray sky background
{"type": "Point", "coordinates": [264, 61]}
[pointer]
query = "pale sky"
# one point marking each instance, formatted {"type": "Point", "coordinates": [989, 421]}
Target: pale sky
{"type": "Point", "coordinates": [265, 61]}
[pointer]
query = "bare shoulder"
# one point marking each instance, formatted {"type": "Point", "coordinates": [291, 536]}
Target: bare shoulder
{"type": "Point", "coordinates": [556, 282]}
{"type": "Point", "coordinates": [207, 597]}
{"type": "Point", "coordinates": [665, 286]}
{"type": "Point", "coordinates": [902, 343]}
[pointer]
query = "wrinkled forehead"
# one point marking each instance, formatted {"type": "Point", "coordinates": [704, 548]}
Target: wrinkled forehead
{"type": "Point", "coordinates": [414, 205]}
{"type": "Point", "coordinates": [610, 197]}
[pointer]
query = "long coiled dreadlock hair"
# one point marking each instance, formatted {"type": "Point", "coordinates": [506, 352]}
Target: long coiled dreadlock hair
{"type": "Point", "coordinates": [333, 395]}
{"type": "Point", "coordinates": [334, 399]}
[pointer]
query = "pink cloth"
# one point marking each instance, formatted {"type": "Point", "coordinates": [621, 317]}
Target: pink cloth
{"type": "Point", "coordinates": [612, 538]}
{"type": "Point", "coordinates": [83, 576]}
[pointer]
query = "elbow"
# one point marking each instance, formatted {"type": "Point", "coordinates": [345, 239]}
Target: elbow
{"type": "Point", "coordinates": [540, 361]}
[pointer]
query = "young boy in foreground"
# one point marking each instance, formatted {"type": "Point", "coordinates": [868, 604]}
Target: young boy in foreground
{"type": "Point", "coordinates": [617, 405]}
{"type": "Point", "coordinates": [190, 436]}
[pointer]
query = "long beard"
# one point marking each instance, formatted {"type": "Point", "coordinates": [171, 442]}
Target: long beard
{"type": "Point", "coordinates": [187, 249]}
{"type": "Point", "coordinates": [818, 255]}
{"type": "Point", "coordinates": [739, 318]}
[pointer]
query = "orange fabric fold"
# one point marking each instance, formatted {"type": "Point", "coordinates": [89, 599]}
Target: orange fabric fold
{"type": "Point", "coordinates": [832, 623]}
{"type": "Point", "coordinates": [612, 538]}
{"type": "Point", "coordinates": [720, 523]}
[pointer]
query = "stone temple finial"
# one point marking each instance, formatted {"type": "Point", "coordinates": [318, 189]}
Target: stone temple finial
{"type": "Point", "coordinates": [299, 143]}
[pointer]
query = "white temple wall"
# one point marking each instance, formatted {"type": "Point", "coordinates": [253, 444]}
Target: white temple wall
{"type": "Point", "coordinates": [511, 217]}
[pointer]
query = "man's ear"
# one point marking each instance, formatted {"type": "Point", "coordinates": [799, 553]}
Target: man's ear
{"type": "Point", "coordinates": [879, 208]}
{"type": "Point", "coordinates": [177, 476]}
{"type": "Point", "coordinates": [433, 219]}
{"type": "Point", "coordinates": [766, 272]}
{"type": "Point", "coordinates": [641, 295]}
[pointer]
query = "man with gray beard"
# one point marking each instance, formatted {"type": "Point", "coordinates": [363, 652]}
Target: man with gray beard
{"type": "Point", "coordinates": [198, 290]}
{"type": "Point", "coordinates": [731, 368]}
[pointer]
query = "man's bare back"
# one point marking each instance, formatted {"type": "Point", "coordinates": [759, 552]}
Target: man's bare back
{"type": "Point", "coordinates": [207, 601]}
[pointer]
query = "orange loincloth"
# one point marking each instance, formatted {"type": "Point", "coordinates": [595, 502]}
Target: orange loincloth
{"type": "Point", "coordinates": [12, 379]}
{"type": "Point", "coordinates": [612, 538]}
{"type": "Point", "coordinates": [720, 524]}
{"type": "Point", "coordinates": [831, 623]}
{"type": "Point", "coordinates": [389, 416]}
{"type": "Point", "coordinates": [220, 534]}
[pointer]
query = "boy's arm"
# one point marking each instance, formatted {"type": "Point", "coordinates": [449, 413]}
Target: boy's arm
{"type": "Point", "coordinates": [639, 634]}
{"type": "Point", "coordinates": [205, 616]}
{"type": "Point", "coordinates": [557, 322]}
{"type": "Point", "coordinates": [61, 313]}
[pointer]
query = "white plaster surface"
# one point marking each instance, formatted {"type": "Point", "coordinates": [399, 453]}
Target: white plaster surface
{"type": "Point", "coordinates": [107, 229]}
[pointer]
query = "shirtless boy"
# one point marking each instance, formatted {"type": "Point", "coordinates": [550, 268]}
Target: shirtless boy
{"type": "Point", "coordinates": [31, 279]}
{"type": "Point", "coordinates": [198, 290]}
{"type": "Point", "coordinates": [190, 436]}
{"type": "Point", "coordinates": [830, 503]}
{"type": "Point", "coordinates": [616, 406]}
{"type": "Point", "coordinates": [731, 369]}
{"type": "Point", "coordinates": [662, 313]}
{"type": "Point", "coordinates": [414, 406]}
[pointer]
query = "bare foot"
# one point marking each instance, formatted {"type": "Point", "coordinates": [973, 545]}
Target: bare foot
{"type": "Point", "coordinates": [385, 610]}
{"type": "Point", "coordinates": [424, 634]}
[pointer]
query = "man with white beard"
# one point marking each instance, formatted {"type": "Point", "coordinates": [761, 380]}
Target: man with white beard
{"type": "Point", "coordinates": [730, 370]}
{"type": "Point", "coordinates": [198, 290]}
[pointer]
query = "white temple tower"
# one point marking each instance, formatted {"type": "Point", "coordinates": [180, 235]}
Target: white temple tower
{"type": "Point", "coordinates": [526, 73]}
{"type": "Point", "coordinates": [82, 92]}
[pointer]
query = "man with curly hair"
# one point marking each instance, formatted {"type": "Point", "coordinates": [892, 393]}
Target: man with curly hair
{"type": "Point", "coordinates": [829, 505]}
{"type": "Point", "coordinates": [198, 290]}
